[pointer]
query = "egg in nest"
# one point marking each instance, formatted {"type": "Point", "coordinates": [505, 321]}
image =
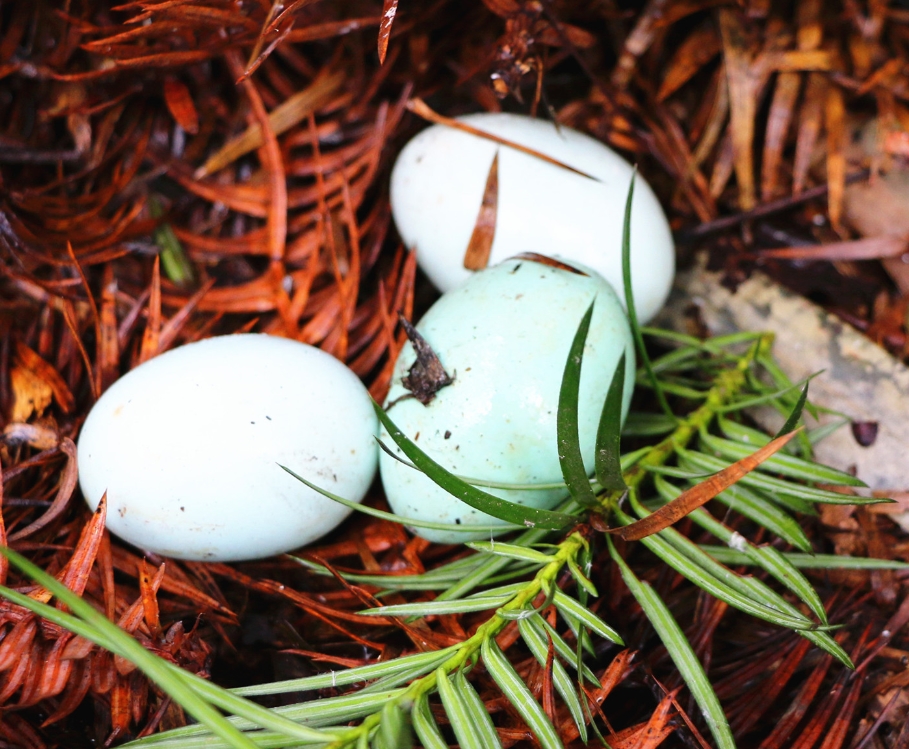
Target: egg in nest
{"type": "Point", "coordinates": [438, 185]}
{"type": "Point", "coordinates": [187, 447]}
{"type": "Point", "coordinates": [503, 337]}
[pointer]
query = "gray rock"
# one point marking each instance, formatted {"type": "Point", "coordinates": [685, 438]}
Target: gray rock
{"type": "Point", "coordinates": [861, 380]}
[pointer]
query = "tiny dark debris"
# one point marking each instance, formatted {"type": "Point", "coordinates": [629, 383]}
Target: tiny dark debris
{"type": "Point", "coordinates": [865, 432]}
{"type": "Point", "coordinates": [427, 376]}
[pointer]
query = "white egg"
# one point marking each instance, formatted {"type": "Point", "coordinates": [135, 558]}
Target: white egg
{"type": "Point", "coordinates": [504, 337]}
{"type": "Point", "coordinates": [188, 446]}
{"type": "Point", "coordinates": [437, 188]}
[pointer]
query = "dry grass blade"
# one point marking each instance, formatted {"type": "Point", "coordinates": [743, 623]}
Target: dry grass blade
{"type": "Point", "coordinates": [17, 640]}
{"type": "Point", "coordinates": [616, 672]}
{"type": "Point", "coordinates": [835, 114]}
{"type": "Point", "coordinates": [107, 352]}
{"type": "Point", "coordinates": [637, 41]}
{"type": "Point", "coordinates": [753, 705]}
{"type": "Point", "coordinates": [180, 105]}
{"type": "Point", "coordinates": [810, 122]}
{"type": "Point", "coordinates": [698, 495]}
{"type": "Point", "coordinates": [658, 728]}
{"type": "Point", "coordinates": [148, 585]}
{"type": "Point", "coordinates": [75, 574]}
{"type": "Point", "coordinates": [422, 109]}
{"type": "Point", "coordinates": [331, 29]}
{"type": "Point", "coordinates": [698, 49]}
{"type": "Point", "coordinates": [63, 496]}
{"type": "Point", "coordinates": [742, 102]}
{"type": "Point", "coordinates": [151, 337]}
{"type": "Point", "coordinates": [779, 119]}
{"type": "Point", "coordinates": [836, 734]}
{"type": "Point", "coordinates": [873, 248]}
{"type": "Point", "coordinates": [270, 35]}
{"type": "Point", "coordinates": [831, 706]}
{"type": "Point", "coordinates": [639, 736]}
{"type": "Point", "coordinates": [389, 10]}
{"type": "Point", "coordinates": [289, 113]}
{"type": "Point", "coordinates": [802, 703]}
{"type": "Point", "coordinates": [476, 257]}
{"type": "Point", "coordinates": [547, 688]}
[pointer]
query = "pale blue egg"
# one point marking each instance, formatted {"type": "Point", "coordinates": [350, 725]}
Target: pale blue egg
{"type": "Point", "coordinates": [437, 187]}
{"type": "Point", "coordinates": [188, 448]}
{"type": "Point", "coordinates": [504, 336]}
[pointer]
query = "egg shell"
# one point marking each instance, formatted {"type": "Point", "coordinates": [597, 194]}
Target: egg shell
{"type": "Point", "coordinates": [188, 447]}
{"type": "Point", "coordinates": [437, 187]}
{"type": "Point", "coordinates": [504, 336]}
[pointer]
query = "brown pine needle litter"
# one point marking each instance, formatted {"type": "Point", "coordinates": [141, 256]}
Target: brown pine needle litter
{"type": "Point", "coordinates": [176, 169]}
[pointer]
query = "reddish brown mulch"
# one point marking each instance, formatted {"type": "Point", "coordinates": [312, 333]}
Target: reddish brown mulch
{"type": "Point", "coordinates": [259, 139]}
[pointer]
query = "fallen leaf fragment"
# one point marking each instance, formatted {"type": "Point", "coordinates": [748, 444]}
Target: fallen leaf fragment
{"type": "Point", "coordinates": [47, 374]}
{"type": "Point", "coordinates": [180, 105]}
{"type": "Point", "coordinates": [31, 394]}
{"type": "Point", "coordinates": [698, 495]}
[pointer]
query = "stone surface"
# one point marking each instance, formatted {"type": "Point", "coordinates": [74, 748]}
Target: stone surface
{"type": "Point", "coordinates": [860, 379]}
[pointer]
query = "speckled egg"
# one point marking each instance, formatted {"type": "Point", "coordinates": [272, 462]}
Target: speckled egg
{"type": "Point", "coordinates": [437, 189]}
{"type": "Point", "coordinates": [504, 337]}
{"type": "Point", "coordinates": [188, 446]}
